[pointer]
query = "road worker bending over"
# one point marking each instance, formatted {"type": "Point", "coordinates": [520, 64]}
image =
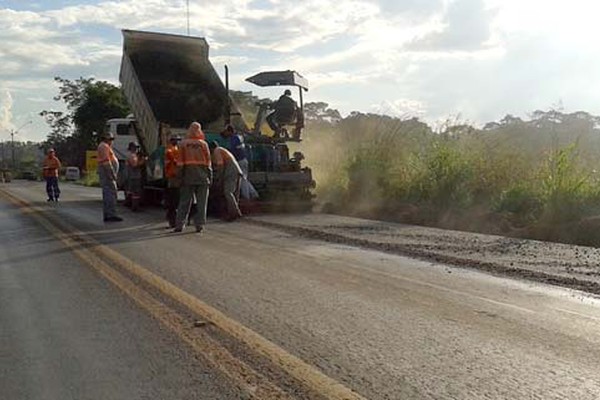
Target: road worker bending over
{"type": "Point", "coordinates": [237, 147]}
{"type": "Point", "coordinates": [228, 176]}
{"type": "Point", "coordinates": [133, 174]}
{"type": "Point", "coordinates": [195, 172]}
{"type": "Point", "coordinates": [50, 171]}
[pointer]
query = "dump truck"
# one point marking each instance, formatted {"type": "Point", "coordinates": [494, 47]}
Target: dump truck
{"type": "Point", "coordinates": [169, 82]}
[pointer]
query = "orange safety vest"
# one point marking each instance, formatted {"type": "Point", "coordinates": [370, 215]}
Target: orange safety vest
{"type": "Point", "coordinates": [171, 155]}
{"type": "Point", "coordinates": [222, 156]}
{"type": "Point", "coordinates": [51, 166]}
{"type": "Point", "coordinates": [106, 154]}
{"type": "Point", "coordinates": [193, 151]}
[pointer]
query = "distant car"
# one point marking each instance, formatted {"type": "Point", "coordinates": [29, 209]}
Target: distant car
{"type": "Point", "coordinates": [29, 175]}
{"type": "Point", "coordinates": [72, 174]}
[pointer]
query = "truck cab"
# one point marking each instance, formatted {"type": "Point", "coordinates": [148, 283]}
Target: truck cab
{"type": "Point", "coordinates": [123, 130]}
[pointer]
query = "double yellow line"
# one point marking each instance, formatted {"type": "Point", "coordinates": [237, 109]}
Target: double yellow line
{"type": "Point", "coordinates": [103, 259]}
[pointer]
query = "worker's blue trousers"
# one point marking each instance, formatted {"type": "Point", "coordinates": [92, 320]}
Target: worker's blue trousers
{"type": "Point", "coordinates": [52, 188]}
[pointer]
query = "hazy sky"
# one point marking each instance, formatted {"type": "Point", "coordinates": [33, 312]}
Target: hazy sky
{"type": "Point", "coordinates": [479, 59]}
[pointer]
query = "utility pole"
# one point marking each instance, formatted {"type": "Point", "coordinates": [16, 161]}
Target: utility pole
{"type": "Point", "coordinates": [12, 142]}
{"type": "Point", "coordinates": [188, 17]}
{"type": "Point", "coordinates": [12, 145]}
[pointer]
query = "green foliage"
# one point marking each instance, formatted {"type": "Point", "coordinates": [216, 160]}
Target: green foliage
{"type": "Point", "coordinates": [564, 186]}
{"type": "Point", "coordinates": [522, 201]}
{"type": "Point", "coordinates": [89, 104]}
{"type": "Point", "coordinates": [101, 101]}
{"type": "Point", "coordinates": [320, 111]}
{"type": "Point", "coordinates": [538, 174]}
{"type": "Point", "coordinates": [444, 177]}
{"type": "Point", "coordinates": [246, 103]}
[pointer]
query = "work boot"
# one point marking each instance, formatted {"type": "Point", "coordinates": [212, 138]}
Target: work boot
{"type": "Point", "coordinates": [199, 229]}
{"type": "Point", "coordinates": [171, 222]}
{"type": "Point", "coordinates": [113, 219]}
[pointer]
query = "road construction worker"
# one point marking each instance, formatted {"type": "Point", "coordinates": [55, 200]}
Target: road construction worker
{"type": "Point", "coordinates": [51, 167]}
{"type": "Point", "coordinates": [237, 147]}
{"type": "Point", "coordinates": [133, 173]}
{"type": "Point", "coordinates": [196, 128]}
{"type": "Point", "coordinates": [195, 172]}
{"type": "Point", "coordinates": [284, 112]}
{"type": "Point", "coordinates": [227, 175]}
{"type": "Point", "coordinates": [173, 182]}
{"type": "Point", "coordinates": [108, 168]}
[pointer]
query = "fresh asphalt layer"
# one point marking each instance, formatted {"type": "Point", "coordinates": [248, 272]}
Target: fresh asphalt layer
{"type": "Point", "coordinates": [381, 325]}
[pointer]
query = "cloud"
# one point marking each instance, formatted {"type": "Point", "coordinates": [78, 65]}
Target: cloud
{"type": "Point", "coordinates": [466, 25]}
{"type": "Point", "coordinates": [6, 105]}
{"type": "Point", "coordinates": [412, 8]}
{"type": "Point", "coordinates": [32, 46]}
{"type": "Point", "coordinates": [229, 60]}
{"type": "Point", "coordinates": [401, 108]}
{"type": "Point", "coordinates": [480, 58]}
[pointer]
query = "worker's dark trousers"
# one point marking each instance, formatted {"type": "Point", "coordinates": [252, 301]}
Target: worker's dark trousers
{"type": "Point", "coordinates": [231, 191]}
{"type": "Point", "coordinates": [52, 188]}
{"type": "Point", "coordinates": [171, 203]}
{"type": "Point", "coordinates": [187, 195]}
{"type": "Point", "coordinates": [273, 123]}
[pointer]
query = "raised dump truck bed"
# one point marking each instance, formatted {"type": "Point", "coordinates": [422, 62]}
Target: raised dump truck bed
{"type": "Point", "coordinates": [168, 79]}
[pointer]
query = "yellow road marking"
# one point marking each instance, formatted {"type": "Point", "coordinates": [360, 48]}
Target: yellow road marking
{"type": "Point", "coordinates": [308, 375]}
{"type": "Point", "coordinates": [217, 356]}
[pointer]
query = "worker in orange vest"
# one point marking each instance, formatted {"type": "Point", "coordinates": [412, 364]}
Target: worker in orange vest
{"type": "Point", "coordinates": [50, 171]}
{"type": "Point", "coordinates": [108, 168]}
{"type": "Point", "coordinates": [195, 171]}
{"type": "Point", "coordinates": [228, 176]}
{"type": "Point", "coordinates": [196, 129]}
{"type": "Point", "coordinates": [173, 182]}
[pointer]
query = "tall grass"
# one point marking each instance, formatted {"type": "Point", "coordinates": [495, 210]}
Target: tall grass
{"type": "Point", "coordinates": [526, 183]}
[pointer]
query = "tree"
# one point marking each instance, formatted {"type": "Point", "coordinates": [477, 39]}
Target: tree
{"type": "Point", "coordinates": [89, 104]}
{"type": "Point", "coordinates": [320, 111]}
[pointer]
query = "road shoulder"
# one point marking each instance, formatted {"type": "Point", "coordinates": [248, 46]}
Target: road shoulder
{"type": "Point", "coordinates": [575, 267]}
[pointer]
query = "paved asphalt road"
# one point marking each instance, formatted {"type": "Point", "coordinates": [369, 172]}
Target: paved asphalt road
{"type": "Point", "coordinates": [286, 317]}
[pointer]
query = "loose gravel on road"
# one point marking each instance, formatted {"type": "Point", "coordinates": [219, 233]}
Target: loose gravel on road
{"type": "Point", "coordinates": [576, 267]}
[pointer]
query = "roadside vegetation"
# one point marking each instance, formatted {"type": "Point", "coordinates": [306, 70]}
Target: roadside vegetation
{"type": "Point", "coordinates": [535, 178]}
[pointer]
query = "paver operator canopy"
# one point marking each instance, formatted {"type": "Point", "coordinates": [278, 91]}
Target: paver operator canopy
{"type": "Point", "coordinates": [281, 78]}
